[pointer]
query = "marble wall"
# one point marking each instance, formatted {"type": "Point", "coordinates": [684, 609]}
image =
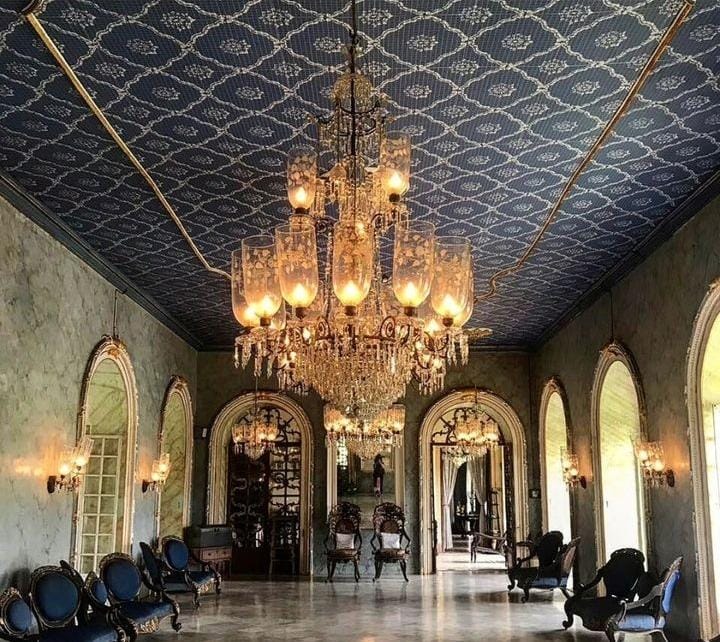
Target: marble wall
{"type": "Point", "coordinates": [505, 373]}
{"type": "Point", "coordinates": [54, 310]}
{"type": "Point", "coordinates": [654, 309]}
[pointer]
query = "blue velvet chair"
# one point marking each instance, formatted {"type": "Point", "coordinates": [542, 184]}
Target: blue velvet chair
{"type": "Point", "coordinates": [57, 602]}
{"type": "Point", "coordinates": [552, 570]}
{"type": "Point", "coordinates": [123, 581]}
{"type": "Point", "coordinates": [648, 613]}
{"type": "Point", "coordinates": [17, 621]}
{"type": "Point", "coordinates": [620, 577]}
{"type": "Point", "coordinates": [177, 557]}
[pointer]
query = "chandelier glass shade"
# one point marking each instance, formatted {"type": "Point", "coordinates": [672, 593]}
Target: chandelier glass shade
{"type": "Point", "coordinates": [355, 334]}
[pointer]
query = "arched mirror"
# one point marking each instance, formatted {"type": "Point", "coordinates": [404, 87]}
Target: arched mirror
{"type": "Point", "coordinates": [618, 418]}
{"type": "Point", "coordinates": [176, 440]}
{"type": "Point", "coordinates": [553, 441]}
{"type": "Point", "coordinates": [108, 415]}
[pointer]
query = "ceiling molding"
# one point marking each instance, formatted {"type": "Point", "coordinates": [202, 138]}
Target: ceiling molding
{"type": "Point", "coordinates": [698, 199]}
{"type": "Point", "coordinates": [63, 234]}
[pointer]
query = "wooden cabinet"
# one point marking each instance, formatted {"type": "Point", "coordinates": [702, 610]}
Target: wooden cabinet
{"type": "Point", "coordinates": [218, 556]}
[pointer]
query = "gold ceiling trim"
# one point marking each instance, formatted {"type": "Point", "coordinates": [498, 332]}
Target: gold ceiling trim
{"type": "Point", "coordinates": [667, 38]}
{"type": "Point", "coordinates": [31, 15]}
{"type": "Point", "coordinates": [36, 6]}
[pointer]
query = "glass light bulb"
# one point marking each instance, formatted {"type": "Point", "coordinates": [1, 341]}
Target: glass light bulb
{"type": "Point", "coordinates": [352, 264]}
{"type": "Point", "coordinates": [64, 469]}
{"type": "Point", "coordinates": [413, 259]}
{"type": "Point", "coordinates": [244, 314]}
{"type": "Point", "coordinates": [451, 285]}
{"type": "Point", "coordinates": [395, 165]}
{"type": "Point", "coordinates": [301, 177]}
{"type": "Point", "coordinates": [297, 263]}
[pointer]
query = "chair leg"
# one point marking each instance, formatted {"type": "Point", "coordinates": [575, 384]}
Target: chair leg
{"type": "Point", "coordinates": [526, 596]}
{"type": "Point", "coordinates": [564, 591]}
{"type": "Point", "coordinates": [357, 570]}
{"type": "Point", "coordinates": [196, 597]}
{"type": "Point", "coordinates": [610, 633]}
{"type": "Point", "coordinates": [570, 617]}
{"type": "Point", "coordinates": [403, 568]}
{"type": "Point", "coordinates": [511, 586]}
{"type": "Point", "coordinates": [331, 570]}
{"type": "Point", "coordinates": [175, 620]}
{"type": "Point", "coordinates": [218, 584]}
{"type": "Point", "coordinates": [378, 569]}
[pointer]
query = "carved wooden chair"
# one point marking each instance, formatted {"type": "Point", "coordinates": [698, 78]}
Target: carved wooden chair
{"type": "Point", "coordinates": [485, 544]}
{"type": "Point", "coordinates": [344, 541]}
{"type": "Point", "coordinates": [387, 540]}
{"type": "Point", "coordinates": [543, 559]}
{"type": "Point", "coordinates": [648, 613]}
{"type": "Point", "coordinates": [620, 577]}
{"type": "Point", "coordinates": [546, 576]}
{"type": "Point", "coordinates": [124, 580]}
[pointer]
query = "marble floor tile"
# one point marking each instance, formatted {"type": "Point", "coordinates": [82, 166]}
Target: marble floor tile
{"type": "Point", "coordinates": [450, 606]}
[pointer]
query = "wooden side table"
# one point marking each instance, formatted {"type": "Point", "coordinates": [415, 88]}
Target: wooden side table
{"type": "Point", "coordinates": [219, 556]}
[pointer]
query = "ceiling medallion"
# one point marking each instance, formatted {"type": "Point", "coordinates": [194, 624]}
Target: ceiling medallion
{"type": "Point", "coordinates": [355, 336]}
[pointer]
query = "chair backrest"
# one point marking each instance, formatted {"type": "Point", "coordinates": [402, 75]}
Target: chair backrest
{"type": "Point", "coordinates": [121, 577]}
{"type": "Point", "coordinates": [622, 572]}
{"type": "Point", "coordinates": [344, 518]}
{"type": "Point", "coordinates": [96, 590]}
{"type": "Point", "coordinates": [388, 518]}
{"type": "Point", "coordinates": [16, 617]}
{"type": "Point", "coordinates": [150, 562]}
{"type": "Point", "coordinates": [671, 577]}
{"type": "Point", "coordinates": [54, 596]}
{"type": "Point", "coordinates": [567, 557]}
{"type": "Point", "coordinates": [176, 553]}
{"type": "Point", "coordinates": [548, 547]}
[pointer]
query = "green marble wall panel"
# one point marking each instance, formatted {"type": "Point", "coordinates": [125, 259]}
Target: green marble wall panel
{"type": "Point", "coordinates": [54, 309]}
{"type": "Point", "coordinates": [654, 309]}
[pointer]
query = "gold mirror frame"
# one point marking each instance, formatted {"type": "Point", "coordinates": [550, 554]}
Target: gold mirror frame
{"type": "Point", "coordinates": [178, 386]}
{"type": "Point", "coordinates": [114, 349]}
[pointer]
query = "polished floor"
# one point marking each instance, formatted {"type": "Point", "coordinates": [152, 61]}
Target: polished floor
{"type": "Point", "coordinates": [471, 605]}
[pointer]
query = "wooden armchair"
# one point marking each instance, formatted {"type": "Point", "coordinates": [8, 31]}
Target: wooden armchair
{"type": "Point", "coordinates": [542, 561]}
{"type": "Point", "coordinates": [486, 544]}
{"type": "Point", "coordinates": [648, 613]}
{"type": "Point", "coordinates": [388, 536]}
{"type": "Point", "coordinates": [344, 541]}
{"type": "Point", "coordinates": [620, 577]}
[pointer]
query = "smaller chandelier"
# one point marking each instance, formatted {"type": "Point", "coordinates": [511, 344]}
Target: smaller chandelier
{"type": "Point", "coordinates": [476, 432]}
{"type": "Point", "coordinates": [257, 433]}
{"type": "Point", "coordinates": [382, 432]}
{"type": "Point", "coordinates": [456, 455]}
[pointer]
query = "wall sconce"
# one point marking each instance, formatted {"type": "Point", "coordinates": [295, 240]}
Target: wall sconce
{"type": "Point", "coordinates": [651, 460]}
{"type": "Point", "coordinates": [158, 474]}
{"type": "Point", "coordinates": [71, 467]}
{"type": "Point", "coordinates": [571, 470]}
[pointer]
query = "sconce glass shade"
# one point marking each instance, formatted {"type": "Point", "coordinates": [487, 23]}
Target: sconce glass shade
{"type": "Point", "coordinates": [413, 259]}
{"type": "Point", "coordinates": [242, 311]}
{"type": "Point", "coordinates": [302, 178]}
{"type": "Point", "coordinates": [82, 452]}
{"type": "Point", "coordinates": [297, 263]}
{"type": "Point", "coordinates": [651, 460]}
{"type": "Point", "coordinates": [66, 462]}
{"type": "Point", "coordinates": [260, 276]}
{"type": "Point", "coordinates": [395, 165]}
{"type": "Point", "coordinates": [352, 264]}
{"type": "Point", "coordinates": [161, 469]}
{"type": "Point", "coordinates": [451, 285]}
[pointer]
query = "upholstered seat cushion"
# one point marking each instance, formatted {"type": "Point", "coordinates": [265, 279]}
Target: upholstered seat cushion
{"type": "Point", "coordinates": [140, 612]}
{"type": "Point", "coordinates": [90, 633]}
{"type": "Point", "coordinates": [640, 622]}
{"type": "Point", "coordinates": [342, 553]}
{"type": "Point", "coordinates": [548, 583]}
{"type": "Point", "coordinates": [175, 582]}
{"type": "Point", "coordinates": [391, 553]}
{"type": "Point", "coordinates": [595, 612]}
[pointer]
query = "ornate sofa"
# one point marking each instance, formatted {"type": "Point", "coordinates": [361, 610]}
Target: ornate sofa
{"type": "Point", "coordinates": [620, 577]}
{"type": "Point", "coordinates": [124, 580]}
{"type": "Point", "coordinates": [387, 540]}
{"type": "Point", "coordinates": [343, 542]}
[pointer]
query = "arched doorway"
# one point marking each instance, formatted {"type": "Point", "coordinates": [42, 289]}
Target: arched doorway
{"type": "Point", "coordinates": [176, 439]}
{"type": "Point", "coordinates": [103, 520]}
{"type": "Point", "coordinates": [293, 420]}
{"type": "Point", "coordinates": [703, 389]}
{"type": "Point", "coordinates": [554, 439]}
{"type": "Point", "coordinates": [618, 411]}
{"type": "Point", "coordinates": [514, 437]}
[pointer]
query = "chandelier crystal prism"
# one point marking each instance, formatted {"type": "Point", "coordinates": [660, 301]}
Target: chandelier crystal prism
{"type": "Point", "coordinates": [351, 332]}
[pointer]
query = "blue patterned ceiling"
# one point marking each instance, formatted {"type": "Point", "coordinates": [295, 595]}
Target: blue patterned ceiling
{"type": "Point", "coordinates": [503, 99]}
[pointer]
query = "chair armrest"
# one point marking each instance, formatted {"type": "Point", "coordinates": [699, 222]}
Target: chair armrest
{"type": "Point", "coordinates": [582, 588]}
{"type": "Point", "coordinates": [373, 543]}
{"type": "Point", "coordinates": [403, 533]}
{"type": "Point", "coordinates": [206, 566]}
{"type": "Point", "coordinates": [656, 592]}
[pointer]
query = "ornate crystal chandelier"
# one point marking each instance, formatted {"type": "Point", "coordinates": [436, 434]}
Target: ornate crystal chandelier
{"type": "Point", "coordinates": [476, 432]}
{"type": "Point", "coordinates": [352, 336]}
{"type": "Point", "coordinates": [256, 433]}
{"type": "Point", "coordinates": [383, 432]}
